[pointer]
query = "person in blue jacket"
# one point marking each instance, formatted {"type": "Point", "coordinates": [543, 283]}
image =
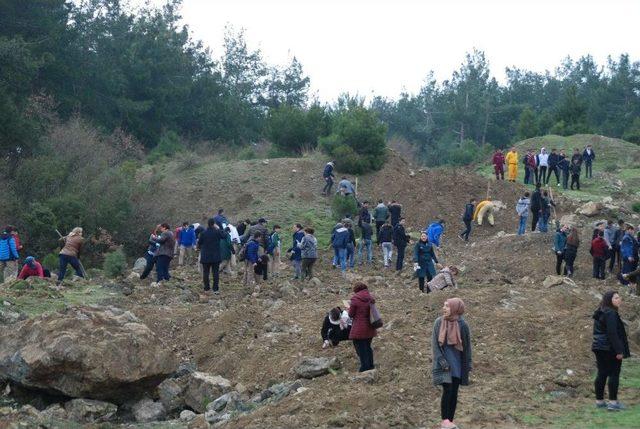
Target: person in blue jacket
{"type": "Point", "coordinates": [435, 231]}
{"type": "Point", "coordinates": [221, 219]}
{"type": "Point", "coordinates": [328, 176]}
{"type": "Point", "coordinates": [628, 253]}
{"type": "Point", "coordinates": [252, 254]}
{"type": "Point", "coordinates": [187, 244]}
{"type": "Point", "coordinates": [559, 243]}
{"type": "Point", "coordinates": [8, 255]}
{"type": "Point", "coordinates": [296, 251]}
{"type": "Point", "coordinates": [340, 241]}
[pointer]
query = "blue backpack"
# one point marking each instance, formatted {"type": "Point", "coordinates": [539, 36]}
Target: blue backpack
{"type": "Point", "coordinates": [270, 244]}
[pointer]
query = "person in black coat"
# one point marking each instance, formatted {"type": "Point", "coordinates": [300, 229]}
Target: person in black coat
{"type": "Point", "coordinates": [401, 240]}
{"type": "Point", "coordinates": [536, 206]}
{"type": "Point", "coordinates": [336, 327]}
{"type": "Point", "coordinates": [610, 345]}
{"type": "Point", "coordinates": [209, 246]}
{"type": "Point", "coordinates": [554, 160]}
{"type": "Point", "coordinates": [467, 217]}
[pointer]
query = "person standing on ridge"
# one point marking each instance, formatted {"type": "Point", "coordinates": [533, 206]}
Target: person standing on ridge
{"type": "Point", "coordinates": [576, 157]}
{"type": "Point", "coordinates": [554, 159]}
{"type": "Point", "coordinates": [467, 218]}
{"type": "Point", "coordinates": [575, 173]}
{"type": "Point", "coordinates": [328, 177]}
{"type": "Point", "coordinates": [512, 164]}
{"type": "Point", "coordinates": [498, 164]}
{"type": "Point", "coordinates": [542, 160]}
{"type": "Point", "coordinates": [588, 156]}
{"type": "Point", "coordinates": [563, 166]}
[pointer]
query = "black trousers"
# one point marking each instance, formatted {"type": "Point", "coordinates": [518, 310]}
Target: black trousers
{"type": "Point", "coordinates": [467, 231]}
{"type": "Point", "coordinates": [575, 180]}
{"type": "Point", "coordinates": [400, 258]}
{"type": "Point", "coordinates": [535, 173]}
{"type": "Point", "coordinates": [421, 281]}
{"type": "Point", "coordinates": [327, 186]}
{"type": "Point", "coordinates": [588, 172]}
{"type": "Point", "coordinates": [565, 179]}
{"type": "Point", "coordinates": [378, 226]}
{"type": "Point", "coordinates": [554, 170]}
{"type": "Point", "coordinates": [307, 267]}
{"type": "Point", "coordinates": [543, 174]}
{"type": "Point", "coordinates": [599, 266]}
{"type": "Point", "coordinates": [615, 256]}
{"type": "Point", "coordinates": [449, 399]}
{"type": "Point", "coordinates": [365, 353]}
{"type": "Point", "coordinates": [608, 368]}
{"type": "Point", "coordinates": [211, 267]}
{"type": "Point", "coordinates": [569, 259]}
{"type": "Point", "coordinates": [559, 259]}
{"type": "Point", "coordinates": [535, 216]}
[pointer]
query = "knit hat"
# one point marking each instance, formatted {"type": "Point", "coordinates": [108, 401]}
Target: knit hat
{"type": "Point", "coordinates": [30, 261]}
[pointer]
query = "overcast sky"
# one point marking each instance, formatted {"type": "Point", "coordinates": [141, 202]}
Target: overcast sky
{"type": "Point", "coordinates": [385, 47]}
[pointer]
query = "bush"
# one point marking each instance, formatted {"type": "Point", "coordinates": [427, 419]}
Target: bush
{"type": "Point", "coordinates": [358, 141]}
{"type": "Point", "coordinates": [115, 263]}
{"type": "Point", "coordinates": [246, 154]}
{"type": "Point", "coordinates": [636, 207]}
{"type": "Point", "coordinates": [291, 129]}
{"type": "Point", "coordinates": [632, 134]}
{"type": "Point", "coordinates": [51, 262]}
{"type": "Point", "coordinates": [344, 206]}
{"type": "Point", "coordinates": [168, 145]}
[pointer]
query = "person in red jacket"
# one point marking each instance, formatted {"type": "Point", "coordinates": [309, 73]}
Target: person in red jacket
{"type": "Point", "coordinates": [599, 249]}
{"type": "Point", "coordinates": [32, 268]}
{"type": "Point", "coordinates": [361, 330]}
{"type": "Point", "coordinates": [498, 164]}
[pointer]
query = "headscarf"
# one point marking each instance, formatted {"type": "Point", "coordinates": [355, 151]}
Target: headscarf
{"type": "Point", "coordinates": [449, 326]}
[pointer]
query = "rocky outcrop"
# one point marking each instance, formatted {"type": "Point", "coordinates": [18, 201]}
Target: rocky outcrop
{"type": "Point", "coordinates": [85, 352]}
{"type": "Point", "coordinates": [590, 209]}
{"type": "Point", "coordinates": [90, 411]}
{"type": "Point", "coordinates": [202, 388]}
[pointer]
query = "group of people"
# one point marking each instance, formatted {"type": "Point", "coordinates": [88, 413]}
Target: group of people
{"type": "Point", "coordinates": [539, 166]}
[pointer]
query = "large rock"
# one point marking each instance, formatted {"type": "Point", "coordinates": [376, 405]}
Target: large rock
{"type": "Point", "coordinates": [171, 393]}
{"type": "Point", "coordinates": [570, 220]}
{"type": "Point", "coordinates": [551, 281]}
{"type": "Point", "coordinates": [139, 265]}
{"type": "Point", "coordinates": [85, 352]}
{"type": "Point", "coordinates": [90, 411]}
{"type": "Point", "coordinates": [590, 209]}
{"type": "Point", "coordinates": [311, 367]}
{"type": "Point", "coordinates": [204, 388]}
{"type": "Point", "coordinates": [146, 410]}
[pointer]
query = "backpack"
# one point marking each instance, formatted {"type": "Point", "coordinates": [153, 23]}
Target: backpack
{"type": "Point", "coordinates": [242, 253]}
{"type": "Point", "coordinates": [270, 245]}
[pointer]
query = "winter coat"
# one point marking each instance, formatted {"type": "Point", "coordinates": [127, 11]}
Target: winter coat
{"type": "Point", "coordinates": [560, 241]}
{"type": "Point", "coordinates": [542, 159]}
{"type": "Point", "coordinates": [511, 158]}
{"type": "Point", "coordinates": [188, 237]}
{"type": "Point", "coordinates": [468, 212]}
{"type": "Point", "coordinates": [328, 171]}
{"type": "Point", "coordinates": [395, 210]}
{"type": "Point", "coordinates": [576, 158]}
{"type": "Point", "coordinates": [440, 376]}
{"type": "Point", "coordinates": [27, 271]}
{"type": "Point", "coordinates": [252, 252]}
{"type": "Point", "coordinates": [226, 247]}
{"type": "Point", "coordinates": [522, 207]}
{"type": "Point", "coordinates": [400, 237]}
{"type": "Point", "coordinates": [628, 247]}
{"type": "Point", "coordinates": [434, 232]}
{"type": "Point", "coordinates": [554, 158]}
{"type": "Point", "coordinates": [209, 244]}
{"type": "Point", "coordinates": [367, 231]}
{"type": "Point", "coordinates": [498, 159]}
{"type": "Point", "coordinates": [599, 248]}
{"type": "Point", "coordinates": [381, 213]}
{"type": "Point", "coordinates": [220, 220]}
{"type": "Point", "coordinates": [8, 248]}
{"type": "Point", "coordinates": [309, 247]}
{"type": "Point", "coordinates": [340, 238]}
{"type": "Point", "coordinates": [167, 244]}
{"type": "Point", "coordinates": [365, 216]}
{"type": "Point", "coordinates": [73, 244]}
{"type": "Point", "coordinates": [359, 313]}
{"type": "Point", "coordinates": [609, 333]}
{"type": "Point", "coordinates": [333, 331]}
{"type": "Point", "coordinates": [610, 235]}
{"type": "Point", "coordinates": [536, 201]}
{"type": "Point", "coordinates": [575, 169]}
{"type": "Point", "coordinates": [588, 157]}
{"type": "Point", "coordinates": [564, 165]}
{"type": "Point", "coordinates": [386, 234]}
{"type": "Point", "coordinates": [424, 256]}
{"type": "Point", "coordinates": [259, 227]}
{"type": "Point", "coordinates": [296, 254]}
{"type": "Point", "coordinates": [443, 279]}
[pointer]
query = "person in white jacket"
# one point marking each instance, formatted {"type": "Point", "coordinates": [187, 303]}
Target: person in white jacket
{"type": "Point", "coordinates": [543, 165]}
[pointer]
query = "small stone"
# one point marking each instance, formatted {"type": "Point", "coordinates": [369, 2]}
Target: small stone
{"type": "Point", "coordinates": [187, 415]}
{"type": "Point", "coordinates": [146, 410]}
{"type": "Point", "coordinates": [311, 367]}
{"type": "Point", "coordinates": [368, 377]}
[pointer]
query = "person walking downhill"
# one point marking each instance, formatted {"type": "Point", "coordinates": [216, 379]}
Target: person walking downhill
{"type": "Point", "coordinates": [598, 251]}
{"type": "Point", "coordinates": [401, 239]}
{"type": "Point", "coordinates": [498, 164]}
{"type": "Point", "coordinates": [588, 156]}
{"type": "Point", "coordinates": [423, 261]}
{"type": "Point", "coordinates": [563, 166]}
{"type": "Point", "coordinates": [571, 251]}
{"type": "Point", "coordinates": [165, 252]}
{"type": "Point", "coordinates": [328, 177]}
{"type": "Point", "coordinates": [536, 206]}
{"type": "Point", "coordinates": [151, 255]}
{"type": "Point", "coordinates": [467, 218]}
{"type": "Point", "coordinates": [395, 212]}
{"type": "Point", "coordinates": [275, 251]}
{"type": "Point", "coordinates": [559, 244]}
{"type": "Point", "coordinates": [386, 242]}
{"type": "Point", "coordinates": [380, 214]}
{"type": "Point", "coordinates": [365, 244]}
{"type": "Point", "coordinates": [309, 252]}
{"type": "Point", "coordinates": [187, 245]}
{"type": "Point", "coordinates": [512, 164]}
{"type": "Point", "coordinates": [8, 255]}
{"type": "Point", "coordinates": [522, 208]}
{"type": "Point", "coordinates": [210, 257]}
{"type": "Point", "coordinates": [452, 358]}
{"type": "Point", "coordinates": [296, 252]}
{"type": "Point", "coordinates": [610, 346]}
{"type": "Point", "coordinates": [362, 332]}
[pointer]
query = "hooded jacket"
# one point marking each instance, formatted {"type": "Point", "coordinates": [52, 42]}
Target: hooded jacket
{"type": "Point", "coordinates": [522, 207]}
{"type": "Point", "coordinates": [252, 252]}
{"type": "Point", "coordinates": [8, 248]}
{"type": "Point", "coordinates": [340, 238]}
{"type": "Point", "coordinates": [542, 159]}
{"type": "Point", "coordinates": [359, 312]}
{"type": "Point", "coordinates": [609, 333]}
{"type": "Point", "coordinates": [434, 232]}
{"type": "Point", "coordinates": [628, 246]}
{"type": "Point", "coordinates": [309, 247]}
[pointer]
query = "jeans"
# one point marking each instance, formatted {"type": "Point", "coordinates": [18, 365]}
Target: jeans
{"type": "Point", "coordinates": [297, 268]}
{"type": "Point", "coordinates": [465, 234]}
{"type": "Point", "coordinates": [608, 367]}
{"type": "Point", "coordinates": [75, 263]}
{"type": "Point", "coordinates": [341, 258]}
{"type": "Point", "coordinates": [327, 187]}
{"type": "Point", "coordinates": [351, 255]}
{"type": "Point", "coordinates": [400, 259]}
{"type": "Point", "coordinates": [387, 253]}
{"type": "Point", "coordinates": [543, 223]}
{"type": "Point", "coordinates": [365, 353]}
{"type": "Point", "coordinates": [365, 243]}
{"type": "Point", "coordinates": [543, 174]}
{"type": "Point", "coordinates": [151, 262]}
{"type": "Point", "coordinates": [527, 176]}
{"type": "Point", "coordinates": [522, 226]}
{"type": "Point", "coordinates": [570, 253]}
{"type": "Point", "coordinates": [215, 268]}
{"type": "Point", "coordinates": [599, 267]}
{"type": "Point", "coordinates": [627, 267]}
{"type": "Point", "coordinates": [449, 399]}
{"type": "Point", "coordinates": [162, 267]}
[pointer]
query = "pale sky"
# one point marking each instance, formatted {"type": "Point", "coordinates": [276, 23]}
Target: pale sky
{"type": "Point", "coordinates": [383, 47]}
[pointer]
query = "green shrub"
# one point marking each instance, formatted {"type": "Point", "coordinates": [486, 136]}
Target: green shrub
{"type": "Point", "coordinates": [343, 206]}
{"type": "Point", "coordinates": [51, 262]}
{"type": "Point", "coordinates": [247, 153]}
{"type": "Point", "coordinates": [168, 145]}
{"type": "Point", "coordinates": [632, 134]}
{"type": "Point", "coordinates": [115, 263]}
{"type": "Point", "coordinates": [636, 207]}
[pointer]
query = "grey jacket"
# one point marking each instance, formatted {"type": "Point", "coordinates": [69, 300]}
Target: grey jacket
{"type": "Point", "coordinates": [439, 375]}
{"type": "Point", "coordinates": [167, 243]}
{"type": "Point", "coordinates": [309, 247]}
